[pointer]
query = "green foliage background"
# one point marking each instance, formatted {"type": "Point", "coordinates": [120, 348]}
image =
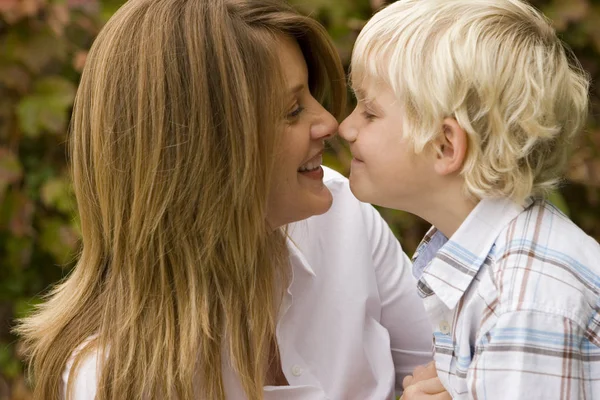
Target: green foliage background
{"type": "Point", "coordinates": [43, 45]}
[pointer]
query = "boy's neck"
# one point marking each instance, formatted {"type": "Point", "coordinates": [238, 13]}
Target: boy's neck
{"type": "Point", "coordinates": [448, 211]}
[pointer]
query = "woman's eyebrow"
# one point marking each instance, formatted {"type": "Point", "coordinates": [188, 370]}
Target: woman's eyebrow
{"type": "Point", "coordinates": [296, 88]}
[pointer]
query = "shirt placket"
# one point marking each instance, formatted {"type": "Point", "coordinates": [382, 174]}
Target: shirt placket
{"type": "Point", "coordinates": [293, 365]}
{"type": "Point", "coordinates": [443, 346]}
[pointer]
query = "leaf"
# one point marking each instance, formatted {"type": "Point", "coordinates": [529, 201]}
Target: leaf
{"type": "Point", "coordinates": [559, 202]}
{"type": "Point", "coordinates": [24, 306]}
{"type": "Point", "coordinates": [59, 239]}
{"type": "Point", "coordinates": [89, 6]}
{"type": "Point", "coordinates": [8, 6]}
{"type": "Point", "coordinates": [58, 193]}
{"type": "Point", "coordinates": [16, 214]}
{"type": "Point", "coordinates": [59, 89]}
{"type": "Point", "coordinates": [79, 60]}
{"type": "Point", "coordinates": [9, 365]}
{"type": "Point", "coordinates": [31, 7]}
{"type": "Point", "coordinates": [19, 250]}
{"type": "Point", "coordinates": [28, 110]}
{"type": "Point", "coordinates": [15, 77]}
{"type": "Point", "coordinates": [47, 108]}
{"type": "Point", "coordinates": [11, 287]}
{"type": "Point", "coordinates": [37, 50]}
{"type": "Point", "coordinates": [10, 170]}
{"type": "Point", "coordinates": [109, 7]}
{"type": "Point", "coordinates": [58, 18]}
{"type": "Point", "coordinates": [564, 12]}
{"type": "Point", "coordinates": [333, 162]}
{"type": "Point", "coordinates": [14, 10]}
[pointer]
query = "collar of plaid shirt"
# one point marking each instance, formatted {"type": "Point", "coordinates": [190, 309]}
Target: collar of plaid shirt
{"type": "Point", "coordinates": [447, 267]}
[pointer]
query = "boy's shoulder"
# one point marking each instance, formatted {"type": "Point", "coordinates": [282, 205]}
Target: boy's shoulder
{"type": "Point", "coordinates": [543, 262]}
{"type": "Point", "coordinates": [544, 230]}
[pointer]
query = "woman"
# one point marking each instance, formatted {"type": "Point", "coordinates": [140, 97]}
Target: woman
{"type": "Point", "coordinates": [197, 137]}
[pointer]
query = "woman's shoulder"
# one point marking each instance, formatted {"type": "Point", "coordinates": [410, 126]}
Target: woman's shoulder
{"type": "Point", "coordinates": [81, 371]}
{"type": "Point", "coordinates": [331, 175]}
{"type": "Point", "coordinates": [346, 207]}
{"type": "Point", "coordinates": [337, 183]}
{"type": "Point", "coordinates": [347, 214]}
{"type": "Point", "coordinates": [339, 186]}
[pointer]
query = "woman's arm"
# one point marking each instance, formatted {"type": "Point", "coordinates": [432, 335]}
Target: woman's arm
{"type": "Point", "coordinates": [402, 310]}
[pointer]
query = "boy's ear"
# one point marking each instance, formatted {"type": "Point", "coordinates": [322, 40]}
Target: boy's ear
{"type": "Point", "coordinates": [450, 148]}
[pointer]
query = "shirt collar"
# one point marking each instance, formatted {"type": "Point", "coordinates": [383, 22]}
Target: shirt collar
{"type": "Point", "coordinates": [297, 259]}
{"type": "Point", "coordinates": [298, 264]}
{"type": "Point", "coordinates": [447, 267]}
{"type": "Point", "coordinates": [429, 246]}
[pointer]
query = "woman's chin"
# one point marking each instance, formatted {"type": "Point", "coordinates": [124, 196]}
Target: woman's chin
{"type": "Point", "coordinates": [315, 203]}
{"type": "Point", "coordinates": [312, 205]}
{"type": "Point", "coordinates": [325, 202]}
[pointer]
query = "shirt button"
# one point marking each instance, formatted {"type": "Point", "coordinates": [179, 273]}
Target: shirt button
{"type": "Point", "coordinates": [297, 370]}
{"type": "Point", "coordinates": [444, 327]}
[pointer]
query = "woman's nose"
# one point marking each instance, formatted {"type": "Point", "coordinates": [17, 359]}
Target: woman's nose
{"type": "Point", "coordinates": [325, 127]}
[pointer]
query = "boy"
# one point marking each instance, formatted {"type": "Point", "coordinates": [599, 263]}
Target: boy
{"type": "Point", "coordinates": [465, 112]}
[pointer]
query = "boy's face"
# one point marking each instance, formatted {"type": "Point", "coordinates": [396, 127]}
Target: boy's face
{"type": "Point", "coordinates": [385, 169]}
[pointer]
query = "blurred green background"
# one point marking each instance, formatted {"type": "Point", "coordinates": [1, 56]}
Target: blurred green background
{"type": "Point", "coordinates": [43, 46]}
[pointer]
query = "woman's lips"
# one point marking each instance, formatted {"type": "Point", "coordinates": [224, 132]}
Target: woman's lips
{"type": "Point", "coordinates": [312, 168]}
{"type": "Point", "coordinates": [316, 174]}
{"type": "Point", "coordinates": [316, 157]}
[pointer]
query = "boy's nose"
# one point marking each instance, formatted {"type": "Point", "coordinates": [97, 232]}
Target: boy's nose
{"type": "Point", "coordinates": [347, 131]}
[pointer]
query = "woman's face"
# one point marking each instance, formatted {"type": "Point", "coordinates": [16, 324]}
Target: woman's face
{"type": "Point", "coordinates": [297, 190]}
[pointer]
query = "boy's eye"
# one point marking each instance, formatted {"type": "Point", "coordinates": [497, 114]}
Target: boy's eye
{"type": "Point", "coordinates": [368, 116]}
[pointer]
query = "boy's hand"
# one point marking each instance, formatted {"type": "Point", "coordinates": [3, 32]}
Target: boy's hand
{"type": "Point", "coordinates": [424, 384]}
{"type": "Point", "coordinates": [428, 389]}
{"type": "Point", "coordinates": [420, 373]}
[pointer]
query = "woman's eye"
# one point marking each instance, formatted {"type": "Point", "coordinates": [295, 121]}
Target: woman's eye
{"type": "Point", "coordinates": [295, 112]}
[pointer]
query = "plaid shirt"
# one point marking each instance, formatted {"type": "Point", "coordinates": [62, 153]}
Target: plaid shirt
{"type": "Point", "coordinates": [514, 298]}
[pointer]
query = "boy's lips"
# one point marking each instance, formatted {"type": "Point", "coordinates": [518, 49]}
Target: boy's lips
{"type": "Point", "coordinates": [356, 160]}
{"type": "Point", "coordinates": [355, 155]}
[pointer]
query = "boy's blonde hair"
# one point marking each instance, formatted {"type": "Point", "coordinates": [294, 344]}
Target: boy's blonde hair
{"type": "Point", "coordinates": [498, 68]}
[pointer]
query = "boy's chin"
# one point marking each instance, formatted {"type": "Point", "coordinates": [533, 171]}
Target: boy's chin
{"type": "Point", "coordinates": [361, 193]}
{"type": "Point", "coordinates": [369, 194]}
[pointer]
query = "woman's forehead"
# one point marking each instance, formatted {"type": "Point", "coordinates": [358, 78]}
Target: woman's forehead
{"type": "Point", "coordinates": [293, 63]}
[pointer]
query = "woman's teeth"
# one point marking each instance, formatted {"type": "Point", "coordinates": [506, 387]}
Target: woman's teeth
{"type": "Point", "coordinates": [311, 165]}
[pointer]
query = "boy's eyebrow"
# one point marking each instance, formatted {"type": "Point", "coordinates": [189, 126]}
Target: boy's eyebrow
{"type": "Point", "coordinates": [374, 106]}
{"type": "Point", "coordinates": [360, 94]}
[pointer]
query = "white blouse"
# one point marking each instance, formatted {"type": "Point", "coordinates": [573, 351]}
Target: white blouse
{"type": "Point", "coordinates": [351, 325]}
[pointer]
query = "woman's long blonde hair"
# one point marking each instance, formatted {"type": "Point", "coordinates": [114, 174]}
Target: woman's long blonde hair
{"type": "Point", "coordinates": [174, 129]}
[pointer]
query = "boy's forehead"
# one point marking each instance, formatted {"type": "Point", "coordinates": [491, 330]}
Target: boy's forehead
{"type": "Point", "coordinates": [367, 90]}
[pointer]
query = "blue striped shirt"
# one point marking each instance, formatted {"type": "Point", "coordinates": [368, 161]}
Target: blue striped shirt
{"type": "Point", "coordinates": [514, 297]}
